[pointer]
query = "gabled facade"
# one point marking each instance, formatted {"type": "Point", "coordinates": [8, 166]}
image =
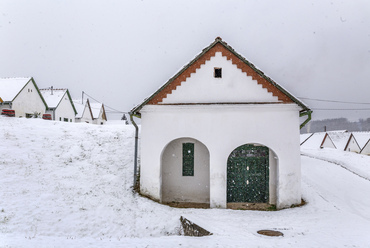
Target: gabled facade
{"type": "Point", "coordinates": [336, 139]}
{"type": "Point", "coordinates": [221, 132]}
{"type": "Point", "coordinates": [60, 104]}
{"type": "Point", "coordinates": [327, 142]}
{"type": "Point", "coordinates": [98, 112]}
{"type": "Point", "coordinates": [90, 112]}
{"type": "Point", "coordinates": [83, 111]}
{"type": "Point", "coordinates": [352, 145]}
{"type": "Point", "coordinates": [23, 96]}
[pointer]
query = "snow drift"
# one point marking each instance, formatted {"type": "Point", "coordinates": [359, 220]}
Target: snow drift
{"type": "Point", "coordinates": [69, 185]}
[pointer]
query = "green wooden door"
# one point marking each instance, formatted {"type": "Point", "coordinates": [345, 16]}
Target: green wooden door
{"type": "Point", "coordinates": [248, 174]}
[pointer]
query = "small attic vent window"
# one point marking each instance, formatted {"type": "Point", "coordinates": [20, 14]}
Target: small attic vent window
{"type": "Point", "coordinates": [218, 72]}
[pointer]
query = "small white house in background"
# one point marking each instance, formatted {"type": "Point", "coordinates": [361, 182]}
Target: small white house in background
{"type": "Point", "coordinates": [90, 112]}
{"type": "Point", "coordinates": [352, 144]}
{"type": "Point", "coordinates": [341, 140]}
{"type": "Point", "coordinates": [83, 112]}
{"type": "Point", "coordinates": [220, 131]}
{"type": "Point", "coordinates": [98, 111]}
{"type": "Point", "coordinates": [23, 96]}
{"type": "Point", "coordinates": [336, 139]}
{"type": "Point", "coordinates": [60, 104]}
{"type": "Point", "coordinates": [327, 142]}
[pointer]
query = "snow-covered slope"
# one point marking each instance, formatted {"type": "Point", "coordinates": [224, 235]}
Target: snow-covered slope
{"type": "Point", "coordinates": [69, 185]}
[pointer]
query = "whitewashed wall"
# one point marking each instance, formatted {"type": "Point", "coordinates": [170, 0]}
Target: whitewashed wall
{"type": "Point", "coordinates": [222, 128]}
{"type": "Point", "coordinates": [28, 101]}
{"type": "Point", "coordinates": [234, 86]}
{"type": "Point", "coordinates": [99, 120]}
{"type": "Point", "coordinates": [328, 143]}
{"type": "Point", "coordinates": [176, 187]}
{"type": "Point", "coordinates": [86, 115]}
{"type": "Point", "coordinates": [65, 110]}
{"type": "Point", "coordinates": [353, 146]}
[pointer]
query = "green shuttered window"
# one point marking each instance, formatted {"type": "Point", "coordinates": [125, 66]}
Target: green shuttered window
{"type": "Point", "coordinates": [188, 159]}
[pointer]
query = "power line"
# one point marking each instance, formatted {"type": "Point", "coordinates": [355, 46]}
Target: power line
{"type": "Point", "coordinates": [339, 109]}
{"type": "Point", "coordinates": [120, 112]}
{"type": "Point", "coordinates": [322, 100]}
{"type": "Point", "coordinates": [115, 110]}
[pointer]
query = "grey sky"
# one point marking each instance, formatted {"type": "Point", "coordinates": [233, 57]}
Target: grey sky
{"type": "Point", "coordinates": [121, 51]}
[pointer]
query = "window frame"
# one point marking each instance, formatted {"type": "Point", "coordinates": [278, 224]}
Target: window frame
{"type": "Point", "coordinates": [188, 159]}
{"type": "Point", "coordinates": [217, 72]}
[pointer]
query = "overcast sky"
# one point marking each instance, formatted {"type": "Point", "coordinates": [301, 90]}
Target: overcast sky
{"type": "Point", "coordinates": [120, 52]}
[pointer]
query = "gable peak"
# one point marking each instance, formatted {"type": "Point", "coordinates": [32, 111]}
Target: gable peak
{"type": "Point", "coordinates": [241, 63]}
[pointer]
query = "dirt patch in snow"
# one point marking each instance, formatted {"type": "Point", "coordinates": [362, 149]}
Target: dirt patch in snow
{"type": "Point", "coordinates": [270, 233]}
{"type": "Point", "coordinates": [232, 205]}
{"type": "Point", "coordinates": [187, 205]}
{"type": "Point", "coordinates": [251, 206]}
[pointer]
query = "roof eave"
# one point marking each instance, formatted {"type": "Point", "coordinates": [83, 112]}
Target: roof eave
{"type": "Point", "coordinates": [70, 99]}
{"type": "Point", "coordinates": [136, 110]}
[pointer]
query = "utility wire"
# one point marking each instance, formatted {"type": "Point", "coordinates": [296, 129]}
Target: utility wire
{"type": "Point", "coordinates": [322, 100]}
{"type": "Point", "coordinates": [304, 98]}
{"type": "Point", "coordinates": [339, 109]}
{"type": "Point", "coordinates": [334, 101]}
{"type": "Point", "coordinates": [112, 111]}
{"type": "Point", "coordinates": [115, 110]}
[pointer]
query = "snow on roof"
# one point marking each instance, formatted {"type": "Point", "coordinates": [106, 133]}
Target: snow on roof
{"type": "Point", "coordinates": [53, 97]}
{"type": "Point", "coordinates": [337, 131]}
{"type": "Point", "coordinates": [339, 139]}
{"type": "Point", "coordinates": [47, 196]}
{"type": "Point", "coordinates": [313, 141]}
{"type": "Point", "coordinates": [95, 109]}
{"type": "Point", "coordinates": [79, 107]}
{"type": "Point", "coordinates": [304, 137]}
{"type": "Point", "coordinates": [10, 87]}
{"type": "Point", "coordinates": [94, 106]}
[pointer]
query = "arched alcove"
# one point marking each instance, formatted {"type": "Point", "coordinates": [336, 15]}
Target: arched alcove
{"type": "Point", "coordinates": [185, 173]}
{"type": "Point", "coordinates": [252, 171]}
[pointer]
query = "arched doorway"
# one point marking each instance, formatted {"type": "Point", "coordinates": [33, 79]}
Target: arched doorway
{"type": "Point", "coordinates": [185, 172]}
{"type": "Point", "coordinates": [248, 174]}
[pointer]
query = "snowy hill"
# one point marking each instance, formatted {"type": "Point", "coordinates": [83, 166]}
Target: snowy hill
{"type": "Point", "coordinates": [69, 185]}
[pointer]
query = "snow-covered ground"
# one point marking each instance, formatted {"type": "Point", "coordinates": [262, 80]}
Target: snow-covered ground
{"type": "Point", "coordinates": [69, 185]}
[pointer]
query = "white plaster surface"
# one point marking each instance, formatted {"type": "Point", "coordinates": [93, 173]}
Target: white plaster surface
{"type": "Point", "coordinates": [60, 102]}
{"type": "Point", "coordinates": [222, 128]}
{"type": "Point", "coordinates": [327, 143]}
{"type": "Point", "coordinates": [65, 109]}
{"type": "Point", "coordinates": [352, 145]}
{"type": "Point", "coordinates": [98, 111]}
{"type": "Point", "coordinates": [28, 101]}
{"type": "Point", "coordinates": [250, 115]}
{"type": "Point", "coordinates": [93, 115]}
{"type": "Point", "coordinates": [175, 186]}
{"type": "Point", "coordinates": [234, 86]}
{"type": "Point", "coordinates": [86, 115]}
